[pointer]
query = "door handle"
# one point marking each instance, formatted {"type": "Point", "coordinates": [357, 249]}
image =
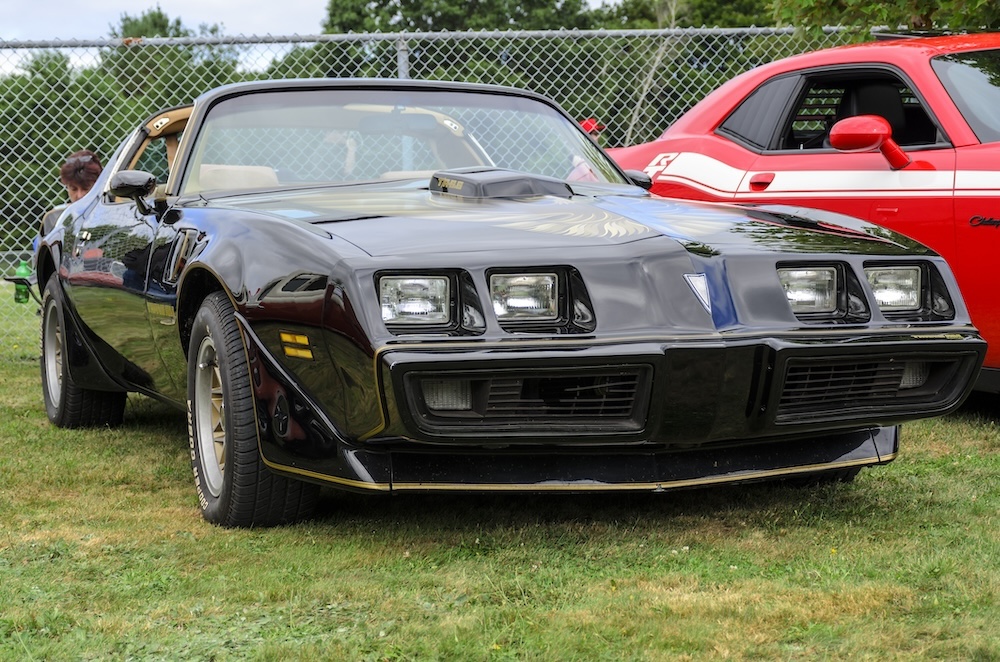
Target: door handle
{"type": "Point", "coordinates": [761, 181]}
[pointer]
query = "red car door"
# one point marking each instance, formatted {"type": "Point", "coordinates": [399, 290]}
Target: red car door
{"type": "Point", "coordinates": [916, 200]}
{"type": "Point", "coordinates": [802, 168]}
{"type": "Point", "coordinates": [977, 238]}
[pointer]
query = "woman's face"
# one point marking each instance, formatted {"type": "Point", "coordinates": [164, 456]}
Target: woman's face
{"type": "Point", "coordinates": [75, 192]}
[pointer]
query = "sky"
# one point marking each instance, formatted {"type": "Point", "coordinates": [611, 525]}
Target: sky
{"type": "Point", "coordinates": [32, 20]}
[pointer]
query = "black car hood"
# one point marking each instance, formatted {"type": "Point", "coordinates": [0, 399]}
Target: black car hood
{"type": "Point", "coordinates": [406, 218]}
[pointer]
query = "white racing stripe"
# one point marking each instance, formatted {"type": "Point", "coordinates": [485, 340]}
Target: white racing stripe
{"type": "Point", "coordinates": [824, 193]}
{"type": "Point", "coordinates": [977, 183]}
{"type": "Point", "coordinates": [697, 171]}
{"type": "Point", "coordinates": [813, 182]}
{"type": "Point", "coordinates": [714, 177]}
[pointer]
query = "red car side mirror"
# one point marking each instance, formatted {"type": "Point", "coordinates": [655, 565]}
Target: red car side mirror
{"type": "Point", "coordinates": [866, 133]}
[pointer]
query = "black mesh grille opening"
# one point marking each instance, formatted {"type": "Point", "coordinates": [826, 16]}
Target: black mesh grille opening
{"type": "Point", "coordinates": [590, 396]}
{"type": "Point", "coordinates": [832, 389]}
{"type": "Point", "coordinates": [556, 401]}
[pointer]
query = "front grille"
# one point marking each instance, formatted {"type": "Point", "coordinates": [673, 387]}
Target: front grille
{"type": "Point", "coordinates": [818, 389]}
{"type": "Point", "coordinates": [554, 398]}
{"type": "Point", "coordinates": [552, 401]}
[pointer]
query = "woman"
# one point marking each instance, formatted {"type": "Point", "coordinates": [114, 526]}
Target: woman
{"type": "Point", "coordinates": [79, 173]}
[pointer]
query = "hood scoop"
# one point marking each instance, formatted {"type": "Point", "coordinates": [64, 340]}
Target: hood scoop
{"type": "Point", "coordinates": [486, 182]}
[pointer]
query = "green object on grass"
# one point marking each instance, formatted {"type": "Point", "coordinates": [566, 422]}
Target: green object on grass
{"type": "Point", "coordinates": [21, 294]}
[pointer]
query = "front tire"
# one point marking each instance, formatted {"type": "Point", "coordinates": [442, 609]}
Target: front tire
{"type": "Point", "coordinates": [66, 404]}
{"type": "Point", "coordinates": [235, 487]}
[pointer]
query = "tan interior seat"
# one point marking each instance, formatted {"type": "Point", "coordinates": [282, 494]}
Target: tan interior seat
{"type": "Point", "coordinates": [217, 176]}
{"type": "Point", "coordinates": [407, 174]}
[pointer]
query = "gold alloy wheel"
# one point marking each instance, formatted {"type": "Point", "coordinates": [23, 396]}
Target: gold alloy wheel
{"type": "Point", "coordinates": [210, 417]}
{"type": "Point", "coordinates": [52, 353]}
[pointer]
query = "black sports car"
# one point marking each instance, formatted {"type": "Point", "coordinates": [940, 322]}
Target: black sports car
{"type": "Point", "coordinates": [399, 285]}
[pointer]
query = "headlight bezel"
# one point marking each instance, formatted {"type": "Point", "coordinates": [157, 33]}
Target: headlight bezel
{"type": "Point", "coordinates": [554, 308]}
{"type": "Point", "coordinates": [858, 302]}
{"type": "Point", "coordinates": [935, 298]}
{"type": "Point", "coordinates": [921, 305]}
{"type": "Point", "coordinates": [801, 275]}
{"type": "Point", "coordinates": [471, 302]}
{"type": "Point", "coordinates": [414, 324]}
{"type": "Point", "coordinates": [851, 303]}
{"type": "Point", "coordinates": [466, 316]}
{"type": "Point", "coordinates": [574, 309]}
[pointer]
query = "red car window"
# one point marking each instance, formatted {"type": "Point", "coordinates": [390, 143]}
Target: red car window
{"type": "Point", "coordinates": [971, 80]}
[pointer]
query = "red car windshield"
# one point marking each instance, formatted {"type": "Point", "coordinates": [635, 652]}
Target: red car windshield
{"type": "Point", "coordinates": [973, 81]}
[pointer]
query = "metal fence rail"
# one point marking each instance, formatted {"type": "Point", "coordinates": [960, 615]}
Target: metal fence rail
{"type": "Point", "coordinates": [60, 96]}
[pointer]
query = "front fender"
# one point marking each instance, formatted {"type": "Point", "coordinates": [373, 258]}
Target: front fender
{"type": "Point", "coordinates": [83, 365]}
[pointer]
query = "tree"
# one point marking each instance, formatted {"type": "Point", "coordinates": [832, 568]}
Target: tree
{"type": "Point", "coordinates": [910, 14]}
{"type": "Point", "coordinates": [660, 14]}
{"type": "Point", "coordinates": [168, 74]}
{"type": "Point", "coordinates": [629, 14]}
{"type": "Point", "coordinates": [733, 14]}
{"type": "Point", "coordinates": [343, 16]}
{"type": "Point", "coordinates": [46, 112]}
{"type": "Point", "coordinates": [49, 108]}
{"type": "Point", "coordinates": [151, 23]}
{"type": "Point", "coordinates": [456, 15]}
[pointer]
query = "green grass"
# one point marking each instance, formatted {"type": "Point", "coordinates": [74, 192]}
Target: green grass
{"type": "Point", "coordinates": [18, 326]}
{"type": "Point", "coordinates": [103, 555]}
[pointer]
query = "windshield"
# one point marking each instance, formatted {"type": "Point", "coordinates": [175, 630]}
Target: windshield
{"type": "Point", "coordinates": [973, 82]}
{"type": "Point", "coordinates": [278, 138]}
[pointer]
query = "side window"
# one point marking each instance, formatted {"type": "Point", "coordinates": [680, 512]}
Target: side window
{"type": "Point", "coordinates": [154, 147]}
{"type": "Point", "coordinates": [154, 160]}
{"type": "Point", "coordinates": [814, 115]}
{"type": "Point", "coordinates": [973, 85]}
{"type": "Point", "coordinates": [826, 100]}
{"type": "Point", "coordinates": [754, 121]}
{"type": "Point", "coordinates": [918, 128]}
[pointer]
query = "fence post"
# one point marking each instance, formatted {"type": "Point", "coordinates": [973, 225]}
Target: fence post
{"type": "Point", "coordinates": [402, 58]}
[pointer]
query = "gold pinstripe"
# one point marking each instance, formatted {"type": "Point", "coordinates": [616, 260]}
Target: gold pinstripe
{"type": "Point", "coordinates": [574, 487]}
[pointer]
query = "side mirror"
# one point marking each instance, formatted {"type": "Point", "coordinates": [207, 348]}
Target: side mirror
{"type": "Point", "coordinates": [640, 179]}
{"type": "Point", "coordinates": [135, 185]}
{"type": "Point", "coordinates": [867, 133]}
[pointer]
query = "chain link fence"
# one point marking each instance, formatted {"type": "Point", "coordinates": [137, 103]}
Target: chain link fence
{"type": "Point", "coordinates": [61, 96]}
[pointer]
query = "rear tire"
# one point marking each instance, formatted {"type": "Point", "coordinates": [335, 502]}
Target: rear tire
{"type": "Point", "coordinates": [235, 487]}
{"type": "Point", "coordinates": [66, 404]}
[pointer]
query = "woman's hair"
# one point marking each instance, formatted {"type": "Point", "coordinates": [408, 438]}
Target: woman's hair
{"type": "Point", "coordinates": [81, 169]}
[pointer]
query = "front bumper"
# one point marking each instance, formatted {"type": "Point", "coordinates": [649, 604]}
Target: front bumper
{"type": "Point", "coordinates": [583, 471]}
{"type": "Point", "coordinates": [698, 412]}
{"type": "Point", "coordinates": [678, 394]}
{"type": "Point", "coordinates": [586, 470]}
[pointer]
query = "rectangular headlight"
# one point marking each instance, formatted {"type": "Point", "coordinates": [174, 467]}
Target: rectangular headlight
{"type": "Point", "coordinates": [895, 288]}
{"type": "Point", "coordinates": [525, 297]}
{"type": "Point", "coordinates": [415, 299]}
{"type": "Point", "coordinates": [810, 290]}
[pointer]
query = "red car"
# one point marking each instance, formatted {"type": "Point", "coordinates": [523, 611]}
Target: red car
{"type": "Point", "coordinates": [904, 133]}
